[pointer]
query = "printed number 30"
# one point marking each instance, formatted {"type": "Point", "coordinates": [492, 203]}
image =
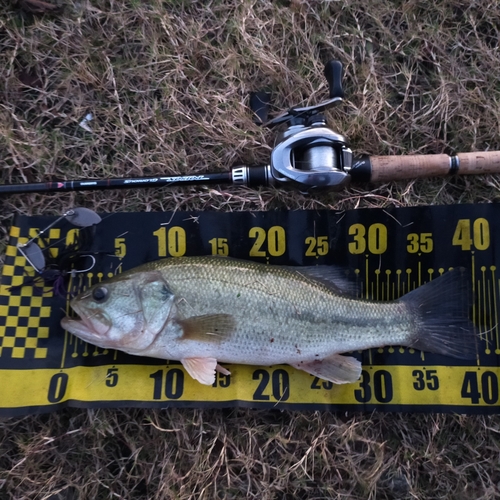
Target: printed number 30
{"type": "Point", "coordinates": [375, 239]}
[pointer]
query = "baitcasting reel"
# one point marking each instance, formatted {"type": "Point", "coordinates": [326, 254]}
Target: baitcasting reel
{"type": "Point", "coordinates": [307, 155]}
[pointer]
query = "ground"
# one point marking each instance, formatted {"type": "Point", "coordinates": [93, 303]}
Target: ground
{"type": "Point", "coordinates": [167, 84]}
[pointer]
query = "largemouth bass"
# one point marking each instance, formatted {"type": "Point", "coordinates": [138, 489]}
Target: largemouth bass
{"type": "Point", "coordinates": [208, 310]}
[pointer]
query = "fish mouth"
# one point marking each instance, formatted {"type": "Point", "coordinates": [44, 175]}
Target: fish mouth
{"type": "Point", "coordinates": [88, 327]}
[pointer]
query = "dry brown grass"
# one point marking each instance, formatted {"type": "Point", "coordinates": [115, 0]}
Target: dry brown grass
{"type": "Point", "coordinates": [248, 454]}
{"type": "Point", "coordinates": [167, 83]}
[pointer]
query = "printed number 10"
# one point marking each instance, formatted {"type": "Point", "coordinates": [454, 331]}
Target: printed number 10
{"type": "Point", "coordinates": [171, 242]}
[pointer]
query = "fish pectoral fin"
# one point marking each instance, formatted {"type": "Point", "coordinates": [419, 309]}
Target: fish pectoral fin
{"type": "Point", "coordinates": [201, 369]}
{"type": "Point", "coordinates": [336, 368]}
{"type": "Point", "coordinates": [208, 328]}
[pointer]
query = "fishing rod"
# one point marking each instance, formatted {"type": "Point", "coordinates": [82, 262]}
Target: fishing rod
{"type": "Point", "coordinates": [308, 156]}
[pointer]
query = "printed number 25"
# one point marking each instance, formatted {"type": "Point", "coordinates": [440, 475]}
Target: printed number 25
{"type": "Point", "coordinates": [316, 246]}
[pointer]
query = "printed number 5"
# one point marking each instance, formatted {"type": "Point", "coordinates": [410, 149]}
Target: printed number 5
{"type": "Point", "coordinates": [120, 247]}
{"type": "Point", "coordinates": [112, 377]}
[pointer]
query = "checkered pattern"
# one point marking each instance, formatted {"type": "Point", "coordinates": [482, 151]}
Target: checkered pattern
{"type": "Point", "coordinates": [25, 311]}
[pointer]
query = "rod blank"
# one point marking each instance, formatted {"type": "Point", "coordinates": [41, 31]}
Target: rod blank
{"type": "Point", "coordinates": [118, 183]}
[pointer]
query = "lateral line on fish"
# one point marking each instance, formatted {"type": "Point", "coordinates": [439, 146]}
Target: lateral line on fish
{"type": "Point", "coordinates": [272, 294]}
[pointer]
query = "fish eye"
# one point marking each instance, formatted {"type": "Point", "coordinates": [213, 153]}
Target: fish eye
{"type": "Point", "coordinates": [100, 294]}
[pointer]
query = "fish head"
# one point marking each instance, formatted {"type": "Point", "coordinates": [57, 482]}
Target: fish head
{"type": "Point", "coordinates": [126, 312]}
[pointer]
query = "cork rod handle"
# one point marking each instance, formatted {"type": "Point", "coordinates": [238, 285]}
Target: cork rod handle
{"type": "Point", "coordinates": [390, 168]}
{"type": "Point", "coordinates": [486, 162]}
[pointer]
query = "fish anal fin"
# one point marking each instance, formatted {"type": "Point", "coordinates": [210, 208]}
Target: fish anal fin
{"type": "Point", "coordinates": [336, 368]}
{"type": "Point", "coordinates": [208, 328]}
{"type": "Point", "coordinates": [201, 369]}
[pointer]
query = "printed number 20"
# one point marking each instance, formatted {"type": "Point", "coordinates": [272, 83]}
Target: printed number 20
{"type": "Point", "coordinates": [276, 241]}
{"type": "Point", "coordinates": [280, 384]}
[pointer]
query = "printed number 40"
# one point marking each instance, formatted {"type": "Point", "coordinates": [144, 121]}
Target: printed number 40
{"type": "Point", "coordinates": [479, 237]}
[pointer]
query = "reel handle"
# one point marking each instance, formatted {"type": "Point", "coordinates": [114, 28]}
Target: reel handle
{"type": "Point", "coordinates": [334, 73]}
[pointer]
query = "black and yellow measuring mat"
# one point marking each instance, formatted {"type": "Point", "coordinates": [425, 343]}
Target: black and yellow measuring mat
{"type": "Point", "coordinates": [391, 251]}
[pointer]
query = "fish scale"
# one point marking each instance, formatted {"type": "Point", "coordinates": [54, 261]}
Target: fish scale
{"type": "Point", "coordinates": [277, 309]}
{"type": "Point", "coordinates": [205, 310]}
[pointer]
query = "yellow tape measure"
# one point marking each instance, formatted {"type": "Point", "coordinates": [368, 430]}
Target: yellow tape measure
{"type": "Point", "coordinates": [390, 252]}
{"type": "Point", "coordinates": [409, 388]}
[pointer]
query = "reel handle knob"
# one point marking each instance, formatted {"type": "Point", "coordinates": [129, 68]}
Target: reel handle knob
{"type": "Point", "coordinates": [334, 74]}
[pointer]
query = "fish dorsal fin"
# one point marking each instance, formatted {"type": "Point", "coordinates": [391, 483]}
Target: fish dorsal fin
{"type": "Point", "coordinates": [336, 368]}
{"type": "Point", "coordinates": [334, 277]}
{"type": "Point", "coordinates": [208, 327]}
{"type": "Point", "coordinates": [201, 369]}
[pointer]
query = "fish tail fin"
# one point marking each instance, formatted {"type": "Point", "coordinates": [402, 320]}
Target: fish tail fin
{"type": "Point", "coordinates": [440, 310]}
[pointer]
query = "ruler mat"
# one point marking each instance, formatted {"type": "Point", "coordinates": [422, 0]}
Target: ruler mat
{"type": "Point", "coordinates": [388, 251]}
